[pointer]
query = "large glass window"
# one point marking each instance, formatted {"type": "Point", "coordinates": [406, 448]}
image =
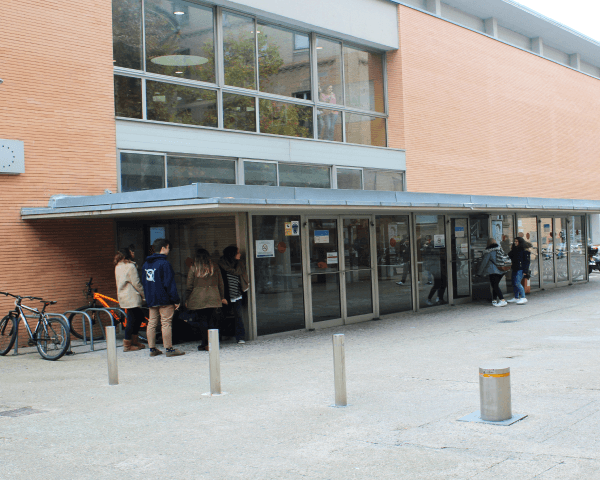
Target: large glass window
{"type": "Point", "coordinates": [187, 170]}
{"type": "Point", "coordinates": [431, 257]}
{"type": "Point", "coordinates": [363, 73]}
{"type": "Point", "coordinates": [329, 123]}
{"type": "Point", "coordinates": [284, 69]}
{"type": "Point", "coordinates": [180, 39]}
{"type": "Point", "coordinates": [349, 178]}
{"type": "Point", "coordinates": [239, 51]}
{"type": "Point", "coordinates": [329, 70]}
{"type": "Point", "coordinates": [578, 248]}
{"type": "Point", "coordinates": [312, 176]}
{"type": "Point", "coordinates": [277, 275]}
{"type": "Point", "coordinates": [239, 112]}
{"type": "Point", "coordinates": [128, 97]}
{"type": "Point", "coordinates": [168, 102]}
{"type": "Point", "coordinates": [384, 180]}
{"type": "Point", "coordinates": [142, 172]}
{"type": "Point", "coordinates": [260, 173]}
{"type": "Point", "coordinates": [289, 119]}
{"type": "Point", "coordinates": [393, 264]}
{"type": "Point", "coordinates": [365, 130]}
{"type": "Point", "coordinates": [127, 33]}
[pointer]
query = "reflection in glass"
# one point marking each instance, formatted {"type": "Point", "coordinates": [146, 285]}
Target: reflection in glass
{"type": "Point", "coordinates": [187, 170]}
{"type": "Point", "coordinates": [547, 251]}
{"type": "Point", "coordinates": [560, 249]}
{"type": "Point", "coordinates": [363, 72]}
{"type": "Point", "coordinates": [461, 276]}
{"type": "Point", "coordinates": [283, 68]}
{"type": "Point", "coordinates": [329, 71]}
{"type": "Point", "coordinates": [365, 130]}
{"type": "Point", "coordinates": [349, 178]}
{"type": "Point", "coordinates": [359, 293]}
{"type": "Point", "coordinates": [128, 97]}
{"type": "Point", "coordinates": [329, 123]}
{"type": "Point", "coordinates": [578, 249]}
{"type": "Point", "coordinates": [180, 39]}
{"type": "Point", "coordinates": [357, 243]}
{"type": "Point", "coordinates": [142, 172]}
{"type": "Point", "coordinates": [323, 245]}
{"type": "Point", "coordinates": [527, 228]}
{"type": "Point", "coordinates": [431, 258]}
{"type": "Point", "coordinates": [313, 176]}
{"type": "Point", "coordinates": [279, 118]}
{"type": "Point", "coordinates": [239, 112]}
{"type": "Point", "coordinates": [168, 102]}
{"type": "Point", "coordinates": [278, 279]}
{"type": "Point", "coordinates": [239, 51]}
{"type": "Point", "coordinates": [326, 303]}
{"type": "Point", "coordinates": [393, 263]}
{"type": "Point", "coordinates": [127, 33]}
{"type": "Point", "coordinates": [384, 180]}
{"type": "Point", "coordinates": [260, 173]}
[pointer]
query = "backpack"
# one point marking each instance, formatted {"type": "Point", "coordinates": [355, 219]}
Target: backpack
{"type": "Point", "coordinates": [503, 261]}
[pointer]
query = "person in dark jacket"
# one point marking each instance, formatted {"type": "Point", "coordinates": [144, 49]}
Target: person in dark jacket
{"type": "Point", "coordinates": [489, 267]}
{"type": "Point", "coordinates": [236, 282]}
{"type": "Point", "coordinates": [404, 254]}
{"type": "Point", "coordinates": [161, 296]}
{"type": "Point", "coordinates": [520, 257]}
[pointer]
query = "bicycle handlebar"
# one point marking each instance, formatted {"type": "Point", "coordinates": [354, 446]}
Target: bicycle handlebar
{"type": "Point", "coordinates": [23, 298]}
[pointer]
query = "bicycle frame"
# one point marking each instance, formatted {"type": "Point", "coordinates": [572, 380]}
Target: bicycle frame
{"type": "Point", "coordinates": [20, 310]}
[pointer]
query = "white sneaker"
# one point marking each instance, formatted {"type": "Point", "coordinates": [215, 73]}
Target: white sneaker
{"type": "Point", "coordinates": [513, 300]}
{"type": "Point", "coordinates": [501, 303]}
{"type": "Point", "coordinates": [399, 283]}
{"type": "Point", "coordinates": [428, 302]}
{"type": "Point", "coordinates": [521, 301]}
{"type": "Point", "coordinates": [494, 302]}
{"type": "Point", "coordinates": [241, 341]}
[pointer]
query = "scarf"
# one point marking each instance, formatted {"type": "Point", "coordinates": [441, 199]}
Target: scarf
{"type": "Point", "coordinates": [235, 267]}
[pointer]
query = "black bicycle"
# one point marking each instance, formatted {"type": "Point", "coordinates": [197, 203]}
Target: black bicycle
{"type": "Point", "coordinates": [51, 335]}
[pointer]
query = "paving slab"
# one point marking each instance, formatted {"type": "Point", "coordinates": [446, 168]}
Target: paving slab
{"type": "Point", "coordinates": [410, 377]}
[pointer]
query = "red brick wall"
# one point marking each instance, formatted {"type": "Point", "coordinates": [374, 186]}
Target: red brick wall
{"type": "Point", "coordinates": [57, 97]}
{"type": "Point", "coordinates": [473, 107]}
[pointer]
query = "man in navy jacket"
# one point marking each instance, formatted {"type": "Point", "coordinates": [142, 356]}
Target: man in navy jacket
{"type": "Point", "coordinates": [160, 289]}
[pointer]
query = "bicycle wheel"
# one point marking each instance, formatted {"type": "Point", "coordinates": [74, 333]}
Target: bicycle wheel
{"type": "Point", "coordinates": [8, 333]}
{"type": "Point", "coordinates": [52, 337]}
{"type": "Point", "coordinates": [75, 323]}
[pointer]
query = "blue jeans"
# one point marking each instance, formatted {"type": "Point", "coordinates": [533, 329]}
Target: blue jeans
{"type": "Point", "coordinates": [516, 282]}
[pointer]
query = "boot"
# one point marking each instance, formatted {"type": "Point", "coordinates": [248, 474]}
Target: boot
{"type": "Point", "coordinates": [128, 346]}
{"type": "Point", "coordinates": [135, 340]}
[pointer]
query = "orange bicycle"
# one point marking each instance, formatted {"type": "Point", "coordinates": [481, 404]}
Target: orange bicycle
{"type": "Point", "coordinates": [97, 300]}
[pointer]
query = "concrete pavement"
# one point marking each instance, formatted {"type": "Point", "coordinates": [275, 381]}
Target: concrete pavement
{"type": "Point", "coordinates": [410, 377]}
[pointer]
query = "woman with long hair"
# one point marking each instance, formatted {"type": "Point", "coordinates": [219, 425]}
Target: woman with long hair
{"type": "Point", "coordinates": [520, 256]}
{"type": "Point", "coordinates": [130, 295]}
{"type": "Point", "coordinates": [236, 282]}
{"type": "Point", "coordinates": [489, 267]}
{"type": "Point", "coordinates": [205, 293]}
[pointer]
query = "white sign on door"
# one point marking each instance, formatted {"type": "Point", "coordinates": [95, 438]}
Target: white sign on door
{"type": "Point", "coordinates": [265, 248]}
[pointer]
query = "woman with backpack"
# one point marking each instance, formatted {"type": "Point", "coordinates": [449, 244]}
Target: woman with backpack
{"type": "Point", "coordinates": [205, 293]}
{"type": "Point", "coordinates": [520, 257]}
{"type": "Point", "coordinates": [489, 266]}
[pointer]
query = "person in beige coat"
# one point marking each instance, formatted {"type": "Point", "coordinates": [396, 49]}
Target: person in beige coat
{"type": "Point", "coordinates": [130, 294]}
{"type": "Point", "coordinates": [205, 293]}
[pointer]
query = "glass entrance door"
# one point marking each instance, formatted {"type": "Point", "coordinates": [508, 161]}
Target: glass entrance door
{"type": "Point", "coordinates": [340, 270]}
{"type": "Point", "coordinates": [555, 258]}
{"type": "Point", "coordinates": [460, 258]}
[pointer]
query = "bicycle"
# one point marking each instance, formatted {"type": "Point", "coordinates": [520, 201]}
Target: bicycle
{"type": "Point", "coordinates": [96, 300]}
{"type": "Point", "coordinates": [50, 336]}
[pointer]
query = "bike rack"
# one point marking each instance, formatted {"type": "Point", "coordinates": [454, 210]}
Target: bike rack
{"type": "Point", "coordinates": [107, 310]}
{"type": "Point", "coordinates": [16, 348]}
{"type": "Point", "coordinates": [84, 316]}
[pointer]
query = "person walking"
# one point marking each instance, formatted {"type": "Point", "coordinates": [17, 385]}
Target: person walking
{"type": "Point", "coordinates": [489, 267]}
{"type": "Point", "coordinates": [404, 254]}
{"type": "Point", "coordinates": [130, 294]}
{"type": "Point", "coordinates": [235, 279]}
{"type": "Point", "coordinates": [161, 296]}
{"type": "Point", "coordinates": [520, 258]}
{"type": "Point", "coordinates": [204, 293]}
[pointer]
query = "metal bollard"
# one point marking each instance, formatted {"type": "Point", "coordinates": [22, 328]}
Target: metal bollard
{"type": "Point", "coordinates": [111, 354]}
{"type": "Point", "coordinates": [339, 370]}
{"type": "Point", "coordinates": [494, 394]}
{"type": "Point", "coordinates": [213, 361]}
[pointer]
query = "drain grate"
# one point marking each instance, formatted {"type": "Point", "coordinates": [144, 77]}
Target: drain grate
{"type": "Point", "coordinates": [20, 412]}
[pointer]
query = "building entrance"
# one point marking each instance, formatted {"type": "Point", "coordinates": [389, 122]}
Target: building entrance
{"type": "Point", "coordinates": [555, 258]}
{"type": "Point", "coordinates": [340, 270]}
{"type": "Point", "coordinates": [460, 259]}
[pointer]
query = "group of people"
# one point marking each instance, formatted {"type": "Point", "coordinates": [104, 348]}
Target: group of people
{"type": "Point", "coordinates": [209, 287]}
{"type": "Point", "coordinates": [520, 257]}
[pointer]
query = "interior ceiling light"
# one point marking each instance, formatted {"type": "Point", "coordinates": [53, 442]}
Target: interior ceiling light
{"type": "Point", "coordinates": [179, 60]}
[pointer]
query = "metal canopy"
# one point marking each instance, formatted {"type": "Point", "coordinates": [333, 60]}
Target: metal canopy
{"type": "Point", "coordinates": [203, 197]}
